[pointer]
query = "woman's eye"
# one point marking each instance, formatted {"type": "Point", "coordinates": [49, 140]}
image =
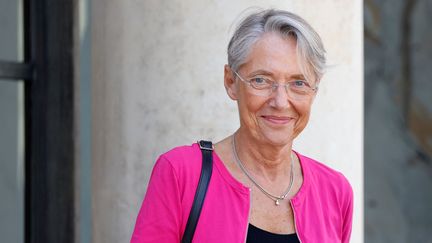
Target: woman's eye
{"type": "Point", "coordinates": [258, 81]}
{"type": "Point", "coordinates": [300, 83]}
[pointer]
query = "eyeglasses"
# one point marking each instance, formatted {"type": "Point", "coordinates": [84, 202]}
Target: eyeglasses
{"type": "Point", "coordinates": [263, 86]}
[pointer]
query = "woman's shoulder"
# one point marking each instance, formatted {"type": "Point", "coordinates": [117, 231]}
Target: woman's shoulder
{"type": "Point", "coordinates": [325, 174]}
{"type": "Point", "coordinates": [182, 152]}
{"type": "Point", "coordinates": [181, 158]}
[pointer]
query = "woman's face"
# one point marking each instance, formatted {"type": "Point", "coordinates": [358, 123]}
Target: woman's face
{"type": "Point", "coordinates": [275, 119]}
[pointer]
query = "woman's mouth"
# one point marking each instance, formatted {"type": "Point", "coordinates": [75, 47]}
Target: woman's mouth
{"type": "Point", "coordinates": [281, 120]}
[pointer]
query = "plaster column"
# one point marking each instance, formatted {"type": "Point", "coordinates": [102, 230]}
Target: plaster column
{"type": "Point", "coordinates": [158, 83]}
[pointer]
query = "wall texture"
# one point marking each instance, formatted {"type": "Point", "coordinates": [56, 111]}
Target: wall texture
{"type": "Point", "coordinates": [158, 82]}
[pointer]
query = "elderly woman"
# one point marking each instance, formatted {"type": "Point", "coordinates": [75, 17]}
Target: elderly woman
{"type": "Point", "coordinates": [260, 190]}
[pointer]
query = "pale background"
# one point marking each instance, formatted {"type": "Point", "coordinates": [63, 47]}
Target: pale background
{"type": "Point", "coordinates": [157, 82]}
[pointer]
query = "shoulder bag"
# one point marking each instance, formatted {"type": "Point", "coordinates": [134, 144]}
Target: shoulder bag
{"type": "Point", "coordinates": [206, 172]}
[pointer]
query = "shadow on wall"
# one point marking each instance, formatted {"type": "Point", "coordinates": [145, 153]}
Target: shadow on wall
{"type": "Point", "coordinates": [398, 121]}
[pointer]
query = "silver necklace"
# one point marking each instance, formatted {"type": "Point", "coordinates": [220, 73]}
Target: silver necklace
{"type": "Point", "coordinates": [268, 194]}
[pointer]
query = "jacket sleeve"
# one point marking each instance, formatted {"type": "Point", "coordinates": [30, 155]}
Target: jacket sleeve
{"type": "Point", "coordinates": [159, 219]}
{"type": "Point", "coordinates": [347, 214]}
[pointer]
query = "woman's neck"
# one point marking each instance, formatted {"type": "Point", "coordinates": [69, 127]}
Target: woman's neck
{"type": "Point", "coordinates": [262, 159]}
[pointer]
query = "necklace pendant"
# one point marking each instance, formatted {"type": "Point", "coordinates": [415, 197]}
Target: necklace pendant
{"type": "Point", "coordinates": [277, 202]}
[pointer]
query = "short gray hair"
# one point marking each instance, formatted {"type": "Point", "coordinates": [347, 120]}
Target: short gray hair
{"type": "Point", "coordinates": [310, 50]}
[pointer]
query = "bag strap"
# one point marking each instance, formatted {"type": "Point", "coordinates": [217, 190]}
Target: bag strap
{"type": "Point", "coordinates": [206, 171]}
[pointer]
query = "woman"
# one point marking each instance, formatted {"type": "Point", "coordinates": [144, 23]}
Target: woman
{"type": "Point", "coordinates": [260, 190]}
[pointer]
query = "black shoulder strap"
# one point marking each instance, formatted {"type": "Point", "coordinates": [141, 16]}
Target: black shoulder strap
{"type": "Point", "coordinates": [206, 171]}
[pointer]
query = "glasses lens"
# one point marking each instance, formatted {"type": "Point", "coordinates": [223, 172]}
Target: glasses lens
{"type": "Point", "coordinates": [299, 93]}
{"type": "Point", "coordinates": [260, 92]}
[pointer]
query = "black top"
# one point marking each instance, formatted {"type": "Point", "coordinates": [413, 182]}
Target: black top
{"type": "Point", "coordinates": [257, 235]}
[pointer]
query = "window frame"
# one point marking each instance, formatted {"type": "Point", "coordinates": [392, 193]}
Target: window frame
{"type": "Point", "coordinates": [48, 76]}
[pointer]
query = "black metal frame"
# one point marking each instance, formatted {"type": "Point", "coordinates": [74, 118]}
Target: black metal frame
{"type": "Point", "coordinates": [15, 71]}
{"type": "Point", "coordinates": [48, 74]}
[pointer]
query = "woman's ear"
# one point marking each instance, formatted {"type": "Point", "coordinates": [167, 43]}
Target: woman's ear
{"type": "Point", "coordinates": [230, 83]}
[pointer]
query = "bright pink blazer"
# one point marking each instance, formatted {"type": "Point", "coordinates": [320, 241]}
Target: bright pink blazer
{"type": "Point", "coordinates": [322, 208]}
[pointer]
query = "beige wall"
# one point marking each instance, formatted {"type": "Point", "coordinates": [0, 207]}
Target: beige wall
{"type": "Point", "coordinates": [158, 83]}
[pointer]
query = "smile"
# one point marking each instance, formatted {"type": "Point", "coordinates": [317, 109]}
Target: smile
{"type": "Point", "coordinates": [278, 120]}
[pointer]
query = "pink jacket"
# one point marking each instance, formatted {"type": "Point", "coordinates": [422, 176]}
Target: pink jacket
{"type": "Point", "coordinates": [322, 208]}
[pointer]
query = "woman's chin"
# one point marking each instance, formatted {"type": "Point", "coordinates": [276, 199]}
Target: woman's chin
{"type": "Point", "coordinates": [278, 137]}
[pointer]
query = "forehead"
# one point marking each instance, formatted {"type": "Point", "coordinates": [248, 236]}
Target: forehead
{"type": "Point", "coordinates": [273, 53]}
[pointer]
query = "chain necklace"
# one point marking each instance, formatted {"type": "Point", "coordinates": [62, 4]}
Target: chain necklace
{"type": "Point", "coordinates": [268, 194]}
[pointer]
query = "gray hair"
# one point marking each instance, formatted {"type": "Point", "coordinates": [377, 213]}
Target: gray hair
{"type": "Point", "coordinates": [310, 50]}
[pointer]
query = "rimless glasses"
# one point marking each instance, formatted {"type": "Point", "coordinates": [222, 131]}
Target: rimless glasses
{"type": "Point", "coordinates": [264, 86]}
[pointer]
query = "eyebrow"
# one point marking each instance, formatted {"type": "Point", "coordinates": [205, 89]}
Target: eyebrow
{"type": "Point", "coordinates": [298, 76]}
{"type": "Point", "coordinates": [260, 72]}
{"type": "Point", "coordinates": [265, 72]}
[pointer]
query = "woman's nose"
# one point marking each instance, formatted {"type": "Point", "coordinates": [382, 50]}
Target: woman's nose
{"type": "Point", "coordinates": [280, 97]}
